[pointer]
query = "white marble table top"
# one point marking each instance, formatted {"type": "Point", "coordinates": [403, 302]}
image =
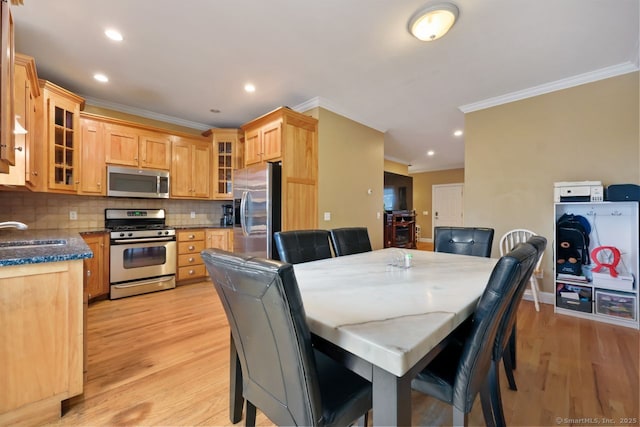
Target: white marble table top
{"type": "Point", "coordinates": [391, 316]}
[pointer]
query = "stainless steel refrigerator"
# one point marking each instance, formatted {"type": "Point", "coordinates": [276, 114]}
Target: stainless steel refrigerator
{"type": "Point", "coordinates": [257, 209]}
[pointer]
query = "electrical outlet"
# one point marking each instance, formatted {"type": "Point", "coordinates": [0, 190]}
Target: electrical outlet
{"type": "Point", "coordinates": [193, 214]}
{"type": "Point", "coordinates": [73, 215]}
{"type": "Point", "coordinates": [327, 216]}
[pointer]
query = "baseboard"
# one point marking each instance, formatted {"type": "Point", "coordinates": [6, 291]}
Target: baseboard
{"type": "Point", "coordinates": [543, 297]}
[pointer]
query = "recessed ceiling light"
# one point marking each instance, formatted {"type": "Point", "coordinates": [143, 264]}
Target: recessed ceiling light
{"type": "Point", "coordinates": [101, 78]}
{"type": "Point", "coordinates": [431, 153]}
{"type": "Point", "coordinates": [114, 35]}
{"type": "Point", "coordinates": [458, 133]}
{"type": "Point", "coordinates": [249, 88]}
{"type": "Point", "coordinates": [214, 110]}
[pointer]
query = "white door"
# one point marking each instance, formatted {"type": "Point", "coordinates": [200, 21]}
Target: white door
{"type": "Point", "coordinates": [446, 205]}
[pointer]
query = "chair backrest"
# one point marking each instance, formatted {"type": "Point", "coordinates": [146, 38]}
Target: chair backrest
{"type": "Point", "coordinates": [474, 241]}
{"type": "Point", "coordinates": [350, 240]}
{"type": "Point", "coordinates": [518, 235]}
{"type": "Point", "coordinates": [299, 246]}
{"type": "Point", "coordinates": [492, 306]}
{"type": "Point", "coordinates": [268, 323]}
{"type": "Point", "coordinates": [504, 331]}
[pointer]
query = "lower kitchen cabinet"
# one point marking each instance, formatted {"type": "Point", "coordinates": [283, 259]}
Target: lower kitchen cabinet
{"type": "Point", "coordinates": [190, 244]}
{"type": "Point", "coordinates": [96, 269]}
{"type": "Point", "coordinates": [220, 239]}
{"type": "Point", "coordinates": [41, 340]}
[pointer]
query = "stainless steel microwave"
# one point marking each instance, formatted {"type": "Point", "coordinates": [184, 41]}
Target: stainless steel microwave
{"type": "Point", "coordinates": [132, 182]}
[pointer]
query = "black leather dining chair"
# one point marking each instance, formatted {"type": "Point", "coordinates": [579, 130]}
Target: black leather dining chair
{"type": "Point", "coordinates": [350, 240]}
{"type": "Point", "coordinates": [504, 348]}
{"type": "Point", "coordinates": [463, 368]}
{"type": "Point", "coordinates": [298, 246]}
{"type": "Point", "coordinates": [282, 374]}
{"type": "Point", "coordinates": [474, 241]}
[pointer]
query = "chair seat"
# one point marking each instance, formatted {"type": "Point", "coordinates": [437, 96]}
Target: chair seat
{"type": "Point", "coordinates": [439, 379]}
{"type": "Point", "coordinates": [345, 395]}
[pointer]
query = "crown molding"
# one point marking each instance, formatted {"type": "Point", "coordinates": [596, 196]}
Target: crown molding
{"type": "Point", "coordinates": [145, 113]}
{"type": "Point", "coordinates": [592, 76]}
{"type": "Point", "coordinates": [321, 102]}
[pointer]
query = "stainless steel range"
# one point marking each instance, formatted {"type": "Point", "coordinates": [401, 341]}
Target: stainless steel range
{"type": "Point", "coordinates": [143, 252]}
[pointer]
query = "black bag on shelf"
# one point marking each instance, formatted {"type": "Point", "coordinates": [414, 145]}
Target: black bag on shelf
{"type": "Point", "coordinates": [572, 244]}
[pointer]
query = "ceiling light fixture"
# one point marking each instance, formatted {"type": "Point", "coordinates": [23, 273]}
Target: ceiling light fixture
{"type": "Point", "coordinates": [101, 78]}
{"type": "Point", "coordinates": [458, 133]}
{"type": "Point", "coordinates": [433, 21]}
{"type": "Point", "coordinates": [114, 35]}
{"type": "Point", "coordinates": [249, 88]}
{"type": "Point", "coordinates": [431, 153]}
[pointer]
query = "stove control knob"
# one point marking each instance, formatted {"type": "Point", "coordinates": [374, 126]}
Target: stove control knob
{"type": "Point", "coordinates": [129, 234]}
{"type": "Point", "coordinates": [159, 233]}
{"type": "Point", "coordinates": [166, 232]}
{"type": "Point", "coordinates": [121, 234]}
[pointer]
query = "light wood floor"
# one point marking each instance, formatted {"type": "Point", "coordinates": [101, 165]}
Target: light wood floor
{"type": "Point", "coordinates": [162, 359]}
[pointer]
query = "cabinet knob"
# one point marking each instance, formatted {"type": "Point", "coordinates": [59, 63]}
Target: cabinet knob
{"type": "Point", "coordinates": [191, 247]}
{"type": "Point", "coordinates": [192, 236]}
{"type": "Point", "coordinates": [191, 272]}
{"type": "Point", "coordinates": [18, 148]}
{"type": "Point", "coordinates": [191, 259]}
{"type": "Point", "coordinates": [35, 173]}
{"type": "Point", "coordinates": [88, 273]}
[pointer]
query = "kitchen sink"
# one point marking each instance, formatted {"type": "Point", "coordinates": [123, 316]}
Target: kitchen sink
{"type": "Point", "coordinates": [28, 244]}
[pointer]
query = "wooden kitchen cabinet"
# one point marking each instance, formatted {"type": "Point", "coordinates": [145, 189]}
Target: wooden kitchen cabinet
{"type": "Point", "coordinates": [26, 92]}
{"type": "Point", "coordinates": [59, 130]}
{"type": "Point", "coordinates": [263, 142]}
{"type": "Point", "coordinates": [41, 334]}
{"type": "Point", "coordinates": [219, 238]}
{"type": "Point", "coordinates": [96, 269]}
{"type": "Point", "coordinates": [190, 264]}
{"type": "Point", "coordinates": [292, 138]}
{"type": "Point", "coordinates": [7, 147]}
{"type": "Point", "coordinates": [93, 175]}
{"type": "Point", "coordinates": [191, 161]}
{"type": "Point", "coordinates": [135, 147]}
{"type": "Point", "coordinates": [225, 160]}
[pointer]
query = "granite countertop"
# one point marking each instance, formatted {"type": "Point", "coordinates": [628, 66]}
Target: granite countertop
{"type": "Point", "coordinates": [26, 246]}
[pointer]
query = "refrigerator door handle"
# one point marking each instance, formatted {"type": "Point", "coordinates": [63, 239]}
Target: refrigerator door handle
{"type": "Point", "coordinates": [243, 213]}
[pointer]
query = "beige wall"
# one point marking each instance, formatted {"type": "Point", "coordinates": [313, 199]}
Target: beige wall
{"type": "Point", "coordinates": [422, 195]}
{"type": "Point", "coordinates": [350, 162]}
{"type": "Point", "coordinates": [395, 167]}
{"type": "Point", "coordinates": [515, 152]}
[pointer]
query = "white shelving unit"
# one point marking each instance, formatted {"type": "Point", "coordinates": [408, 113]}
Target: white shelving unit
{"type": "Point", "coordinates": [604, 299]}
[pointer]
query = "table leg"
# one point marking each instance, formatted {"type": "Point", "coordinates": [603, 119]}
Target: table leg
{"type": "Point", "coordinates": [391, 399]}
{"type": "Point", "coordinates": [235, 384]}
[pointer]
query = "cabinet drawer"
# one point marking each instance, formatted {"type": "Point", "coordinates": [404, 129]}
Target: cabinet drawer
{"type": "Point", "coordinates": [191, 247]}
{"type": "Point", "coordinates": [189, 235]}
{"type": "Point", "coordinates": [574, 297]}
{"type": "Point", "coordinates": [191, 272]}
{"type": "Point", "coordinates": [189, 259]}
{"type": "Point", "coordinates": [617, 304]}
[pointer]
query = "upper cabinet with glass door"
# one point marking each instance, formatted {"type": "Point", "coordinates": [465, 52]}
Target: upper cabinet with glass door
{"type": "Point", "coordinates": [225, 149]}
{"type": "Point", "coordinates": [61, 124]}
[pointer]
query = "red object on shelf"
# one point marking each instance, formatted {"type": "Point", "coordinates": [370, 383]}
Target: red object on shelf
{"type": "Point", "coordinates": [611, 266]}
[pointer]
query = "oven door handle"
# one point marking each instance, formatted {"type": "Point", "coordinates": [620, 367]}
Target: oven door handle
{"type": "Point", "coordinates": [151, 239]}
{"type": "Point", "coordinates": [141, 283]}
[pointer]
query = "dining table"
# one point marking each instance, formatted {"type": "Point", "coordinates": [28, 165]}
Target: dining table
{"type": "Point", "coordinates": [384, 314]}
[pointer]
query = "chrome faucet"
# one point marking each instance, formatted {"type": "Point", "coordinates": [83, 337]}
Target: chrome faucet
{"type": "Point", "coordinates": [14, 224]}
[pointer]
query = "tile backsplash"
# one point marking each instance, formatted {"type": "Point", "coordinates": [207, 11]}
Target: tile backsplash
{"type": "Point", "coordinates": [49, 210]}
